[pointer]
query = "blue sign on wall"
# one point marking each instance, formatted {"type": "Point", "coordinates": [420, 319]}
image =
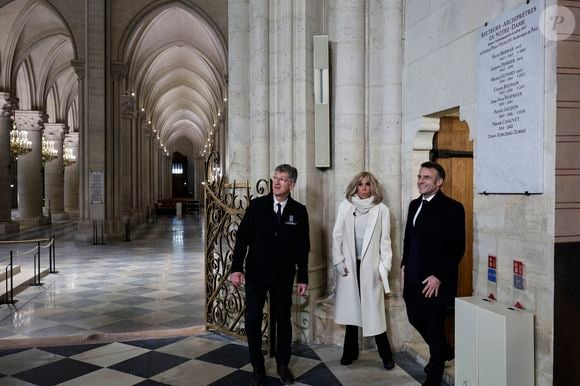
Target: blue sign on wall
{"type": "Point", "coordinates": [519, 282]}
{"type": "Point", "coordinates": [492, 275]}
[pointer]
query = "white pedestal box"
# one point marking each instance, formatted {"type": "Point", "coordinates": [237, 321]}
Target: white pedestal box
{"type": "Point", "coordinates": [494, 344]}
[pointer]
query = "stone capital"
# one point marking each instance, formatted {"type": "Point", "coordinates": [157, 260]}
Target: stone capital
{"type": "Point", "coordinates": [128, 106]}
{"type": "Point", "coordinates": [119, 70]}
{"type": "Point", "coordinates": [71, 139]}
{"type": "Point", "coordinates": [30, 120]}
{"type": "Point", "coordinates": [79, 67]}
{"type": "Point", "coordinates": [8, 103]}
{"type": "Point", "coordinates": [54, 131]}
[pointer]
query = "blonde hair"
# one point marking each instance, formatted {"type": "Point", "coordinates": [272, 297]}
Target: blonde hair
{"type": "Point", "coordinates": [376, 187]}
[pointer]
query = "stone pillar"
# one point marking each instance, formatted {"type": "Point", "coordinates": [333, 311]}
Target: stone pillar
{"type": "Point", "coordinates": [54, 172]}
{"type": "Point", "coordinates": [385, 137]}
{"type": "Point", "coordinates": [30, 170]}
{"type": "Point", "coordinates": [281, 82]}
{"type": "Point", "coordinates": [7, 105]}
{"type": "Point", "coordinates": [146, 181]}
{"type": "Point", "coordinates": [238, 157]}
{"type": "Point", "coordinates": [259, 90]}
{"type": "Point", "coordinates": [82, 193]}
{"type": "Point", "coordinates": [127, 119]}
{"type": "Point", "coordinates": [349, 88]}
{"type": "Point", "coordinates": [71, 176]}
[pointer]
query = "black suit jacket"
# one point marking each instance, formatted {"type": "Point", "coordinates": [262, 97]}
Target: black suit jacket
{"type": "Point", "coordinates": [272, 251]}
{"type": "Point", "coordinates": [436, 243]}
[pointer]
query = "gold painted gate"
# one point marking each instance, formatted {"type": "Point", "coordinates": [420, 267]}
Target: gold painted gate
{"type": "Point", "coordinates": [225, 205]}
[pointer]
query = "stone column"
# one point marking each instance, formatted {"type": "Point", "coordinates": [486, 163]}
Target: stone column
{"type": "Point", "coordinates": [146, 181]}
{"type": "Point", "coordinates": [259, 90]}
{"type": "Point", "coordinates": [71, 176]}
{"type": "Point", "coordinates": [127, 118]}
{"type": "Point", "coordinates": [30, 170]}
{"type": "Point", "coordinates": [349, 88]}
{"type": "Point", "coordinates": [7, 105]}
{"type": "Point", "coordinates": [82, 194]}
{"type": "Point", "coordinates": [54, 172]}
{"type": "Point", "coordinates": [238, 157]}
{"type": "Point", "coordinates": [281, 82]}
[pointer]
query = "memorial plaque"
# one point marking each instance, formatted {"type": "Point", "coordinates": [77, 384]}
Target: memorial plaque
{"type": "Point", "coordinates": [97, 195]}
{"type": "Point", "coordinates": [509, 146]}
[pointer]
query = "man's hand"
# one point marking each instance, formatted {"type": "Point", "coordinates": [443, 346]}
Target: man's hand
{"type": "Point", "coordinates": [431, 288]}
{"type": "Point", "coordinates": [301, 289]}
{"type": "Point", "coordinates": [237, 278]}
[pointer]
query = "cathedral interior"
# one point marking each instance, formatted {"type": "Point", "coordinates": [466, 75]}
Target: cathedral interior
{"type": "Point", "coordinates": [133, 135]}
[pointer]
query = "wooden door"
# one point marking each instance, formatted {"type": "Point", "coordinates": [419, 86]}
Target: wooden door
{"type": "Point", "coordinates": [454, 151]}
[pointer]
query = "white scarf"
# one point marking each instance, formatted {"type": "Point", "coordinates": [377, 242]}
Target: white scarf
{"type": "Point", "coordinates": [363, 205]}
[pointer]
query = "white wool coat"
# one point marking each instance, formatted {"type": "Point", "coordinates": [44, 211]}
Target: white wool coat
{"type": "Point", "coordinates": [368, 309]}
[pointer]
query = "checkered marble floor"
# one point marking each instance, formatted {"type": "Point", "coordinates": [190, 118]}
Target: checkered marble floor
{"type": "Point", "coordinates": [126, 302]}
{"type": "Point", "coordinates": [204, 359]}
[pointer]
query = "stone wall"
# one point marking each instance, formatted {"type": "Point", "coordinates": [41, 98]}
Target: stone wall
{"type": "Point", "coordinates": [441, 73]}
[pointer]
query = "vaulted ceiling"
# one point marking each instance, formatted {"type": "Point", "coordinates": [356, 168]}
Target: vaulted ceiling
{"type": "Point", "coordinates": [177, 68]}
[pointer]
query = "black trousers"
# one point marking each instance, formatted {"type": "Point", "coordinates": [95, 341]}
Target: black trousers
{"type": "Point", "coordinates": [281, 302]}
{"type": "Point", "coordinates": [350, 348]}
{"type": "Point", "coordinates": [428, 317]}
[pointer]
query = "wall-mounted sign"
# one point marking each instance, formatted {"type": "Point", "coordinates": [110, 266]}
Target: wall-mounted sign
{"type": "Point", "coordinates": [510, 103]}
{"type": "Point", "coordinates": [97, 194]}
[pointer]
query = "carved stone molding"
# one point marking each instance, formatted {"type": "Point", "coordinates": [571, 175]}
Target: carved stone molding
{"type": "Point", "coordinates": [8, 103]}
{"type": "Point", "coordinates": [128, 106]}
{"type": "Point", "coordinates": [119, 70]}
{"type": "Point", "coordinates": [79, 67]}
{"type": "Point", "coordinates": [54, 131]}
{"type": "Point", "coordinates": [30, 120]}
{"type": "Point", "coordinates": [71, 140]}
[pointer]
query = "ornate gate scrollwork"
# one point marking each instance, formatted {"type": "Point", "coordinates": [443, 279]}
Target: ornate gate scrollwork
{"type": "Point", "coordinates": [225, 205]}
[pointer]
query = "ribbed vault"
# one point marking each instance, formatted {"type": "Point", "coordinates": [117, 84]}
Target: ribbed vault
{"type": "Point", "coordinates": [36, 49]}
{"type": "Point", "coordinates": [177, 66]}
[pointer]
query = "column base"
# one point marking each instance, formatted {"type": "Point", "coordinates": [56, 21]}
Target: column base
{"type": "Point", "coordinates": [9, 227]}
{"type": "Point", "coordinates": [73, 213]}
{"type": "Point", "coordinates": [60, 216]}
{"type": "Point", "coordinates": [33, 222]}
{"type": "Point", "coordinates": [113, 230]}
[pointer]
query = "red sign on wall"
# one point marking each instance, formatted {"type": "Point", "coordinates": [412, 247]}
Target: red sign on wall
{"type": "Point", "coordinates": [518, 268]}
{"type": "Point", "coordinates": [491, 262]}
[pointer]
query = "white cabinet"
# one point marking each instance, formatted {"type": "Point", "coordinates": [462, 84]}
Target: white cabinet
{"type": "Point", "coordinates": [494, 344]}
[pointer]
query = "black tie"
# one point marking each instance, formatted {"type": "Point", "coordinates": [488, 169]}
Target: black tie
{"type": "Point", "coordinates": [279, 212]}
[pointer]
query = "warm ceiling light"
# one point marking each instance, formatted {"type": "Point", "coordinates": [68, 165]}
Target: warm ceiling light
{"type": "Point", "coordinates": [225, 99]}
{"type": "Point", "coordinates": [142, 108]}
{"type": "Point", "coordinates": [219, 114]}
{"type": "Point", "coordinates": [132, 94]}
{"type": "Point", "coordinates": [214, 125]}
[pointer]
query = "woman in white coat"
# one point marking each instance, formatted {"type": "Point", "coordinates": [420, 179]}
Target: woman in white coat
{"type": "Point", "coordinates": [362, 256]}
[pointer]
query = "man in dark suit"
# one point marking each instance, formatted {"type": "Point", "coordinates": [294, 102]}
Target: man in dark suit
{"type": "Point", "coordinates": [434, 244]}
{"type": "Point", "coordinates": [273, 239]}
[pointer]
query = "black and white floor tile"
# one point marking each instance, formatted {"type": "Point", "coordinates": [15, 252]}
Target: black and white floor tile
{"type": "Point", "coordinates": [151, 286]}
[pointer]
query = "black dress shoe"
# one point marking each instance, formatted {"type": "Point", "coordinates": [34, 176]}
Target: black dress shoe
{"type": "Point", "coordinates": [389, 365]}
{"type": "Point", "coordinates": [450, 356]}
{"type": "Point", "coordinates": [345, 360]}
{"type": "Point", "coordinates": [430, 383]}
{"type": "Point", "coordinates": [286, 376]}
{"type": "Point", "coordinates": [259, 377]}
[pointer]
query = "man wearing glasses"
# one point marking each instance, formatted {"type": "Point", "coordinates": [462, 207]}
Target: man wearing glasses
{"type": "Point", "coordinates": [273, 239]}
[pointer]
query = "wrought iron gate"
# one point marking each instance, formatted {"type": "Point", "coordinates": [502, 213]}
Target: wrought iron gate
{"type": "Point", "coordinates": [225, 205]}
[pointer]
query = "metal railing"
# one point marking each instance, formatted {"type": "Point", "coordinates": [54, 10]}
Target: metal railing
{"type": "Point", "coordinates": [37, 270]}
